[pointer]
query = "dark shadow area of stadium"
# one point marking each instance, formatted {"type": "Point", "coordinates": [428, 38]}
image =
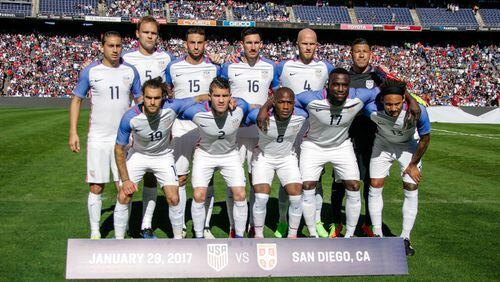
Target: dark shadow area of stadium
{"type": "Point", "coordinates": [220, 220]}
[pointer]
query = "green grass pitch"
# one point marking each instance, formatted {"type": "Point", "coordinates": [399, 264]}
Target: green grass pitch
{"type": "Point", "coordinates": [43, 201]}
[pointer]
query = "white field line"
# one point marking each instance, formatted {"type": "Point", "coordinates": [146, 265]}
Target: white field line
{"type": "Point", "coordinates": [449, 132]}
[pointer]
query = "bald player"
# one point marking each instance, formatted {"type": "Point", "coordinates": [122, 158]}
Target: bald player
{"type": "Point", "coordinates": [304, 73]}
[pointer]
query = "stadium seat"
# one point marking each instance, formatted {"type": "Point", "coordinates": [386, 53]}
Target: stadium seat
{"type": "Point", "coordinates": [491, 17]}
{"type": "Point", "coordinates": [326, 14]}
{"type": "Point", "coordinates": [383, 15]}
{"type": "Point", "coordinates": [442, 17]}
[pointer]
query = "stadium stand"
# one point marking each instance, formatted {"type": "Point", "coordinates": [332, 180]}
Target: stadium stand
{"type": "Point", "coordinates": [325, 14]}
{"type": "Point", "coordinates": [19, 7]}
{"type": "Point", "coordinates": [491, 17]}
{"type": "Point", "coordinates": [212, 10]}
{"type": "Point", "coordinates": [383, 15]}
{"type": "Point", "coordinates": [267, 12]}
{"type": "Point", "coordinates": [68, 7]}
{"type": "Point", "coordinates": [135, 8]}
{"type": "Point", "coordinates": [443, 17]}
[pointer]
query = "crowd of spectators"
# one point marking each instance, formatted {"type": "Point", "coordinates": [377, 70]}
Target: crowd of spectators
{"type": "Point", "coordinates": [206, 10]}
{"type": "Point", "coordinates": [48, 65]}
{"type": "Point", "coordinates": [254, 11]}
{"type": "Point", "coordinates": [136, 8]}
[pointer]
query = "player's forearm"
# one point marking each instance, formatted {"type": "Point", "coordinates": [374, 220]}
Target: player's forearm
{"type": "Point", "coordinates": [421, 148]}
{"type": "Point", "coordinates": [413, 105]}
{"type": "Point", "coordinates": [201, 98]}
{"type": "Point", "coordinates": [74, 114]}
{"type": "Point", "coordinates": [120, 162]}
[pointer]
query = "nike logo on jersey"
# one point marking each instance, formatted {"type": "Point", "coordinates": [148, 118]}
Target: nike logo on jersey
{"type": "Point", "coordinates": [293, 73]}
{"type": "Point", "coordinates": [177, 75]}
{"type": "Point", "coordinates": [97, 80]}
{"type": "Point", "coordinates": [238, 74]}
{"type": "Point", "coordinates": [202, 125]}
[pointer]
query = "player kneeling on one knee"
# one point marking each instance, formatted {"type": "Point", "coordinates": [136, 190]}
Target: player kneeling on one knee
{"type": "Point", "coordinates": [275, 153]}
{"type": "Point", "coordinates": [394, 141]}
{"type": "Point", "coordinates": [150, 124]}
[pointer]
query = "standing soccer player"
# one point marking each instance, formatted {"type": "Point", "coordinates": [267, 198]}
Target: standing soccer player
{"type": "Point", "coordinates": [303, 74]}
{"type": "Point", "coordinates": [188, 77]}
{"type": "Point", "coordinates": [150, 62]}
{"type": "Point", "coordinates": [217, 149]}
{"type": "Point", "coordinates": [275, 153]}
{"type": "Point", "coordinates": [250, 78]}
{"type": "Point", "coordinates": [150, 124]}
{"type": "Point", "coordinates": [394, 142]}
{"type": "Point", "coordinates": [110, 82]}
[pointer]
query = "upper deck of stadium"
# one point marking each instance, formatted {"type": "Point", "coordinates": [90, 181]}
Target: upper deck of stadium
{"type": "Point", "coordinates": [464, 17]}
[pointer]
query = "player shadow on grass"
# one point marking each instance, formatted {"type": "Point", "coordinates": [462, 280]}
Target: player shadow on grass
{"type": "Point", "coordinates": [219, 219]}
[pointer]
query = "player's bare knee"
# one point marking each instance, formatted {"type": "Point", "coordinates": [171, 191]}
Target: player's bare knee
{"type": "Point", "coordinates": [173, 200]}
{"type": "Point", "coordinates": [96, 188]}
{"type": "Point", "coordinates": [150, 180]}
{"type": "Point", "coordinates": [308, 185]}
{"type": "Point", "coordinates": [199, 195]}
{"type": "Point", "coordinates": [351, 185]}
{"type": "Point", "coordinates": [410, 186]}
{"type": "Point", "coordinates": [239, 194]}
{"type": "Point", "coordinates": [182, 180]}
{"type": "Point", "coordinates": [377, 182]}
{"type": "Point", "coordinates": [294, 189]}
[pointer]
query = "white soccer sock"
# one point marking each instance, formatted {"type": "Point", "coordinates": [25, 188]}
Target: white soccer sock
{"type": "Point", "coordinates": [229, 206]}
{"type": "Point", "coordinates": [375, 206]}
{"type": "Point", "coordinates": [282, 203]}
{"type": "Point", "coordinates": [352, 210]}
{"type": "Point", "coordinates": [120, 218]}
{"type": "Point", "coordinates": [319, 201]}
{"type": "Point", "coordinates": [94, 205]}
{"type": "Point", "coordinates": [176, 216]}
{"type": "Point", "coordinates": [182, 203]}
{"type": "Point", "coordinates": [259, 213]}
{"type": "Point", "coordinates": [240, 214]}
{"type": "Point", "coordinates": [209, 205]}
{"type": "Point", "coordinates": [148, 206]}
{"type": "Point", "coordinates": [410, 209]}
{"type": "Point", "coordinates": [294, 214]}
{"type": "Point", "coordinates": [309, 210]}
{"type": "Point", "coordinates": [198, 215]}
{"type": "Point", "coordinates": [251, 200]}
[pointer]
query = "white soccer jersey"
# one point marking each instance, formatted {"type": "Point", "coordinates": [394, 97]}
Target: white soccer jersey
{"type": "Point", "coordinates": [110, 90]}
{"type": "Point", "coordinates": [392, 133]}
{"type": "Point", "coordinates": [151, 66]}
{"type": "Point", "coordinates": [329, 125]}
{"type": "Point", "coordinates": [278, 141]}
{"type": "Point", "coordinates": [191, 80]}
{"type": "Point", "coordinates": [151, 135]}
{"type": "Point", "coordinates": [251, 83]}
{"type": "Point", "coordinates": [217, 134]}
{"type": "Point", "coordinates": [301, 77]}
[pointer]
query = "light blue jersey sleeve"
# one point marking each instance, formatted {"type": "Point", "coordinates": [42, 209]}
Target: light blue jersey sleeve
{"type": "Point", "coordinates": [190, 112]}
{"type": "Point", "coordinates": [136, 84]}
{"type": "Point", "coordinates": [251, 117]}
{"type": "Point", "coordinates": [303, 99]}
{"type": "Point", "coordinates": [365, 95]}
{"type": "Point", "coordinates": [280, 67]}
{"type": "Point", "coordinates": [300, 112]}
{"type": "Point", "coordinates": [124, 130]}
{"type": "Point", "coordinates": [83, 85]}
{"type": "Point", "coordinates": [329, 67]}
{"type": "Point", "coordinates": [179, 105]}
{"type": "Point", "coordinates": [224, 72]}
{"type": "Point", "coordinates": [275, 83]}
{"type": "Point", "coordinates": [370, 108]}
{"type": "Point", "coordinates": [424, 123]}
{"type": "Point", "coordinates": [245, 107]}
{"type": "Point", "coordinates": [168, 77]}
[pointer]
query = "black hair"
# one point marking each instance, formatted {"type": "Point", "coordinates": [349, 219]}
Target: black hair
{"type": "Point", "coordinates": [195, 30]}
{"type": "Point", "coordinates": [155, 83]}
{"type": "Point", "coordinates": [219, 82]}
{"type": "Point", "coordinates": [249, 31]}
{"type": "Point", "coordinates": [110, 33]}
{"type": "Point", "coordinates": [360, 41]}
{"type": "Point", "coordinates": [338, 71]}
{"type": "Point", "coordinates": [282, 91]}
{"type": "Point", "coordinates": [392, 87]}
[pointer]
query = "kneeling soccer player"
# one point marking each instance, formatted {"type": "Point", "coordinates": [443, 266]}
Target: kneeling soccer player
{"type": "Point", "coordinates": [150, 124]}
{"type": "Point", "coordinates": [217, 149]}
{"type": "Point", "coordinates": [394, 142]}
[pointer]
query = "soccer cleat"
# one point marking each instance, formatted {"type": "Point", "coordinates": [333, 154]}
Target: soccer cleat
{"type": "Point", "coordinates": [251, 232]}
{"type": "Point", "coordinates": [148, 234]}
{"type": "Point", "coordinates": [95, 237]}
{"type": "Point", "coordinates": [320, 229]}
{"type": "Point", "coordinates": [237, 236]}
{"type": "Point", "coordinates": [335, 230]}
{"type": "Point", "coordinates": [281, 230]}
{"type": "Point", "coordinates": [184, 233]}
{"type": "Point", "coordinates": [367, 229]}
{"type": "Point", "coordinates": [408, 248]}
{"type": "Point", "coordinates": [292, 237]}
{"type": "Point", "coordinates": [208, 234]}
{"type": "Point", "coordinates": [232, 233]}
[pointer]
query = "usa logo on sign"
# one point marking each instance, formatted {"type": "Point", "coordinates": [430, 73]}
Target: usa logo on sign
{"type": "Point", "coordinates": [217, 256]}
{"type": "Point", "coordinates": [267, 256]}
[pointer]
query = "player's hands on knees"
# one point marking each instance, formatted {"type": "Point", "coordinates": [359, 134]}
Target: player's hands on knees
{"type": "Point", "coordinates": [413, 171]}
{"type": "Point", "coordinates": [263, 120]}
{"type": "Point", "coordinates": [74, 142]}
{"type": "Point", "coordinates": [129, 187]}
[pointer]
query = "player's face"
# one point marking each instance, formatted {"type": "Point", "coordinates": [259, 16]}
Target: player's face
{"type": "Point", "coordinates": [361, 55]}
{"type": "Point", "coordinates": [307, 46]}
{"type": "Point", "coordinates": [393, 104]}
{"type": "Point", "coordinates": [152, 100]}
{"type": "Point", "coordinates": [147, 35]}
{"type": "Point", "coordinates": [284, 106]}
{"type": "Point", "coordinates": [195, 45]}
{"type": "Point", "coordinates": [251, 46]}
{"type": "Point", "coordinates": [112, 49]}
{"type": "Point", "coordinates": [219, 99]}
{"type": "Point", "coordinates": [338, 88]}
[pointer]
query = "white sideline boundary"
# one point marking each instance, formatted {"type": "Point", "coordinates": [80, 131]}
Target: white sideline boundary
{"type": "Point", "coordinates": [449, 132]}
